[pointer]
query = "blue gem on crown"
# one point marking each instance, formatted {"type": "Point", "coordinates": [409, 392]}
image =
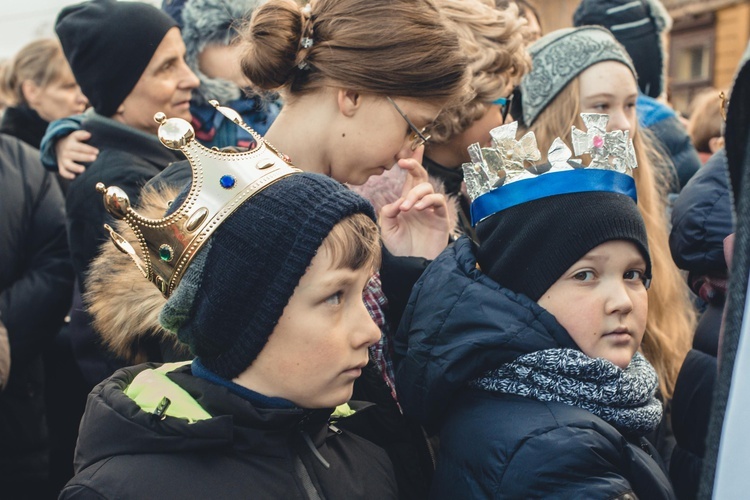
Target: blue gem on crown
{"type": "Point", "coordinates": [227, 181]}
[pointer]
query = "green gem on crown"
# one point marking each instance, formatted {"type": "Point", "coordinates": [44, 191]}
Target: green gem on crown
{"type": "Point", "coordinates": [166, 253]}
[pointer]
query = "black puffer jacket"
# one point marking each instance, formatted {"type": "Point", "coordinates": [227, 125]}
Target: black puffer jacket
{"type": "Point", "coordinates": [459, 324]}
{"type": "Point", "coordinates": [214, 444]}
{"type": "Point", "coordinates": [702, 218]}
{"type": "Point", "coordinates": [36, 281]}
{"type": "Point", "coordinates": [26, 124]}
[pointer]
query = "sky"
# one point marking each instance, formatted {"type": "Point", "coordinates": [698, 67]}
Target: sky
{"type": "Point", "coordinates": [22, 21]}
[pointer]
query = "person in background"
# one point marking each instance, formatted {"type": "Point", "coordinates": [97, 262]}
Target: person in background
{"type": "Point", "coordinates": [36, 282]}
{"type": "Point", "coordinates": [534, 23]}
{"type": "Point", "coordinates": [706, 123]}
{"type": "Point", "coordinates": [494, 40]}
{"type": "Point", "coordinates": [601, 79]}
{"type": "Point", "coordinates": [523, 348]}
{"type": "Point", "coordinates": [640, 26]}
{"type": "Point", "coordinates": [210, 31]}
{"type": "Point", "coordinates": [126, 85]}
{"type": "Point", "coordinates": [703, 218]}
{"type": "Point", "coordinates": [42, 88]}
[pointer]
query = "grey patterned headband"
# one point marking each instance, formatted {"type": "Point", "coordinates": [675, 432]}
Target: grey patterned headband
{"type": "Point", "coordinates": [559, 57]}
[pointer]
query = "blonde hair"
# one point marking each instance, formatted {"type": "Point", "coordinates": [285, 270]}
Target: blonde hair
{"type": "Point", "coordinates": [671, 318]}
{"type": "Point", "coordinates": [706, 121]}
{"type": "Point", "coordinates": [354, 243]}
{"type": "Point", "coordinates": [493, 40]}
{"type": "Point", "coordinates": [41, 61]}
{"type": "Point", "coordinates": [384, 47]}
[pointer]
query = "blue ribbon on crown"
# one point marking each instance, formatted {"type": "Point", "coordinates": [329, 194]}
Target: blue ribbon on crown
{"type": "Point", "coordinates": [580, 180]}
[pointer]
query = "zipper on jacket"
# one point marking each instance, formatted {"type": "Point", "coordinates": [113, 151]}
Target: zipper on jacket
{"type": "Point", "coordinates": [305, 479]}
{"type": "Point", "coordinates": [314, 450]}
{"type": "Point", "coordinates": [428, 445]}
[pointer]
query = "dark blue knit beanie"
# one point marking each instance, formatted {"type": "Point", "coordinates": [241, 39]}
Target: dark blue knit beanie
{"type": "Point", "coordinates": [235, 290]}
{"type": "Point", "coordinates": [526, 248]}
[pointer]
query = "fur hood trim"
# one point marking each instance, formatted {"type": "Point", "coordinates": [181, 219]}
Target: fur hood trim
{"type": "Point", "coordinates": [215, 22]}
{"type": "Point", "coordinates": [124, 305]}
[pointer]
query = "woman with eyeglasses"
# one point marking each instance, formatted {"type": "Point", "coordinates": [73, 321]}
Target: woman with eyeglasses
{"type": "Point", "coordinates": [493, 39]}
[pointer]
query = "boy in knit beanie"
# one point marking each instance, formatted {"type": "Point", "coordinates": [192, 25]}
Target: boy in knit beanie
{"type": "Point", "coordinates": [530, 338]}
{"type": "Point", "coordinates": [265, 288]}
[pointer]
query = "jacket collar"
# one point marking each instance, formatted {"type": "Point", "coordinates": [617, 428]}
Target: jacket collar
{"type": "Point", "coordinates": [107, 133]}
{"type": "Point", "coordinates": [24, 123]}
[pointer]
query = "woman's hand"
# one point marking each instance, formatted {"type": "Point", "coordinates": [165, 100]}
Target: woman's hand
{"type": "Point", "coordinates": [415, 225]}
{"type": "Point", "coordinates": [71, 151]}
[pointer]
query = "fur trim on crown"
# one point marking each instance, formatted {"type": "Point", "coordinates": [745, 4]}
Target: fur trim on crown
{"type": "Point", "coordinates": [207, 22]}
{"type": "Point", "coordinates": [124, 305]}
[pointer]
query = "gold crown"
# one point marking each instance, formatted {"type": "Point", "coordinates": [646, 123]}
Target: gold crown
{"type": "Point", "coordinates": [222, 181]}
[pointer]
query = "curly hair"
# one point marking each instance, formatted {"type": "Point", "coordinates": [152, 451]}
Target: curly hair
{"type": "Point", "coordinates": [493, 40]}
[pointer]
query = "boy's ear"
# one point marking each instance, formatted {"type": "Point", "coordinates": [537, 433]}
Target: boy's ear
{"type": "Point", "coordinates": [348, 101]}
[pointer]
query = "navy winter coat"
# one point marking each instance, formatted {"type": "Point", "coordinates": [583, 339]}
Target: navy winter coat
{"type": "Point", "coordinates": [671, 137]}
{"type": "Point", "coordinates": [459, 324]}
{"type": "Point", "coordinates": [702, 218]}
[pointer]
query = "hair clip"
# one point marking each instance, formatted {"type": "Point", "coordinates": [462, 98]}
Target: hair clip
{"type": "Point", "coordinates": [306, 42]}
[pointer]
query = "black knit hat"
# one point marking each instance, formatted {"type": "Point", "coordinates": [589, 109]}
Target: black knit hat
{"type": "Point", "coordinates": [235, 290]}
{"type": "Point", "coordinates": [108, 45]}
{"type": "Point", "coordinates": [528, 247]}
{"type": "Point", "coordinates": [637, 25]}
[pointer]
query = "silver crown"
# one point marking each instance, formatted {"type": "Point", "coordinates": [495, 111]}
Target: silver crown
{"type": "Point", "coordinates": [509, 159]}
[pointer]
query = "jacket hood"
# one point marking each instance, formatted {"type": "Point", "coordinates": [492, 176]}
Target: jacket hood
{"type": "Point", "coordinates": [121, 418]}
{"type": "Point", "coordinates": [458, 324]}
{"type": "Point", "coordinates": [213, 22]}
{"type": "Point", "coordinates": [125, 306]}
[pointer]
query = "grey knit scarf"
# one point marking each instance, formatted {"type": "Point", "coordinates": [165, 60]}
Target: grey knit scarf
{"type": "Point", "coordinates": [623, 398]}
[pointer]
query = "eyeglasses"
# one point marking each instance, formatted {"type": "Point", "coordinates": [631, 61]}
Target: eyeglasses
{"type": "Point", "coordinates": [723, 104]}
{"type": "Point", "coordinates": [418, 137]}
{"type": "Point", "coordinates": [504, 103]}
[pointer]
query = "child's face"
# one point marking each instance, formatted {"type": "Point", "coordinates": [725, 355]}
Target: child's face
{"type": "Point", "coordinates": [319, 345]}
{"type": "Point", "coordinates": [602, 302]}
{"type": "Point", "coordinates": [609, 87]}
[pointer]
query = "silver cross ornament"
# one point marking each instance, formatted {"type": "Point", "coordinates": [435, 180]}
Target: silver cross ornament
{"type": "Point", "coordinates": [514, 153]}
{"type": "Point", "coordinates": [608, 150]}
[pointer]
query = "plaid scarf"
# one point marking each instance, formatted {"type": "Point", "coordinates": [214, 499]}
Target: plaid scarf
{"type": "Point", "coordinates": [623, 398]}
